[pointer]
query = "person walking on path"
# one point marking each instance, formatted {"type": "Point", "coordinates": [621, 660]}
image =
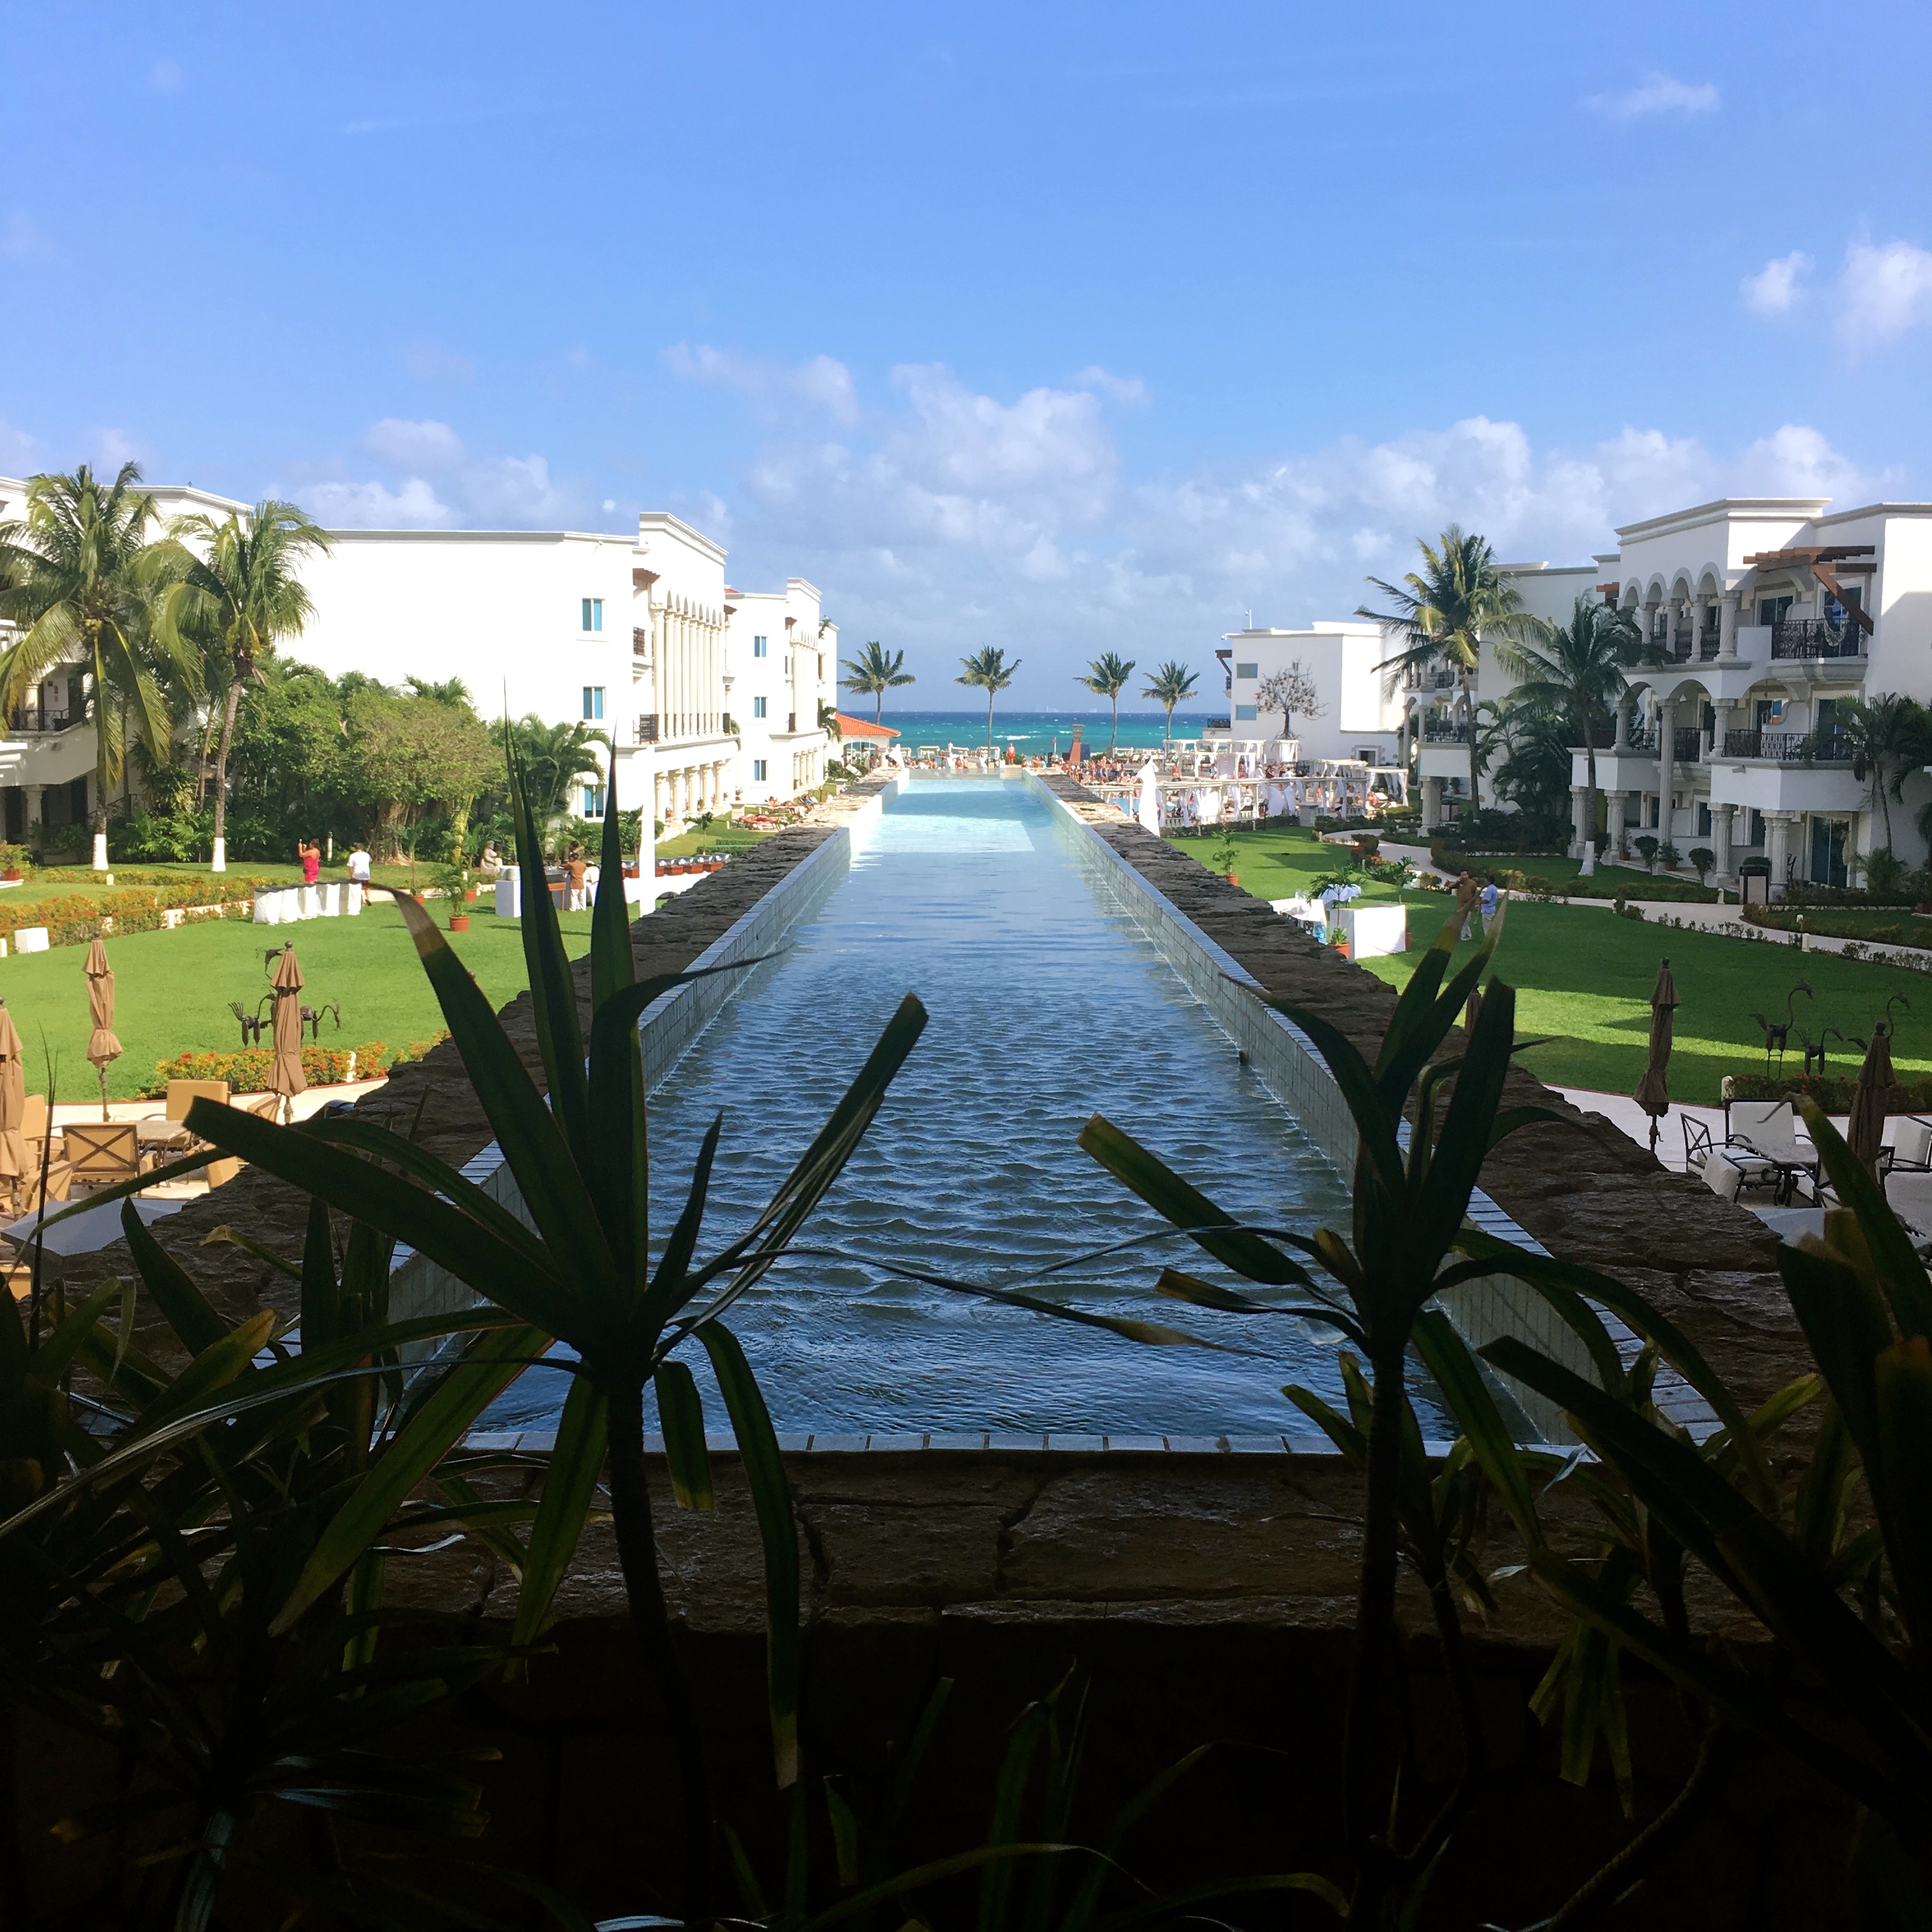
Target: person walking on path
{"type": "Point", "coordinates": [359, 865]}
{"type": "Point", "coordinates": [1487, 900]}
{"type": "Point", "coordinates": [1466, 895]}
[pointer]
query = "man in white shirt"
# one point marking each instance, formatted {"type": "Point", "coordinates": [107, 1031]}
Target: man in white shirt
{"type": "Point", "coordinates": [358, 866]}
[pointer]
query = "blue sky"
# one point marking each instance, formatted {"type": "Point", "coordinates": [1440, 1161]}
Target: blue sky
{"type": "Point", "coordinates": [1064, 328]}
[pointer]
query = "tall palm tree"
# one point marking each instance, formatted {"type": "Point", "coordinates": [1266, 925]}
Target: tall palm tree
{"type": "Point", "coordinates": [551, 755]}
{"type": "Point", "coordinates": [1108, 676]}
{"type": "Point", "coordinates": [1887, 739]}
{"type": "Point", "coordinates": [238, 595]}
{"type": "Point", "coordinates": [450, 691]}
{"type": "Point", "coordinates": [1172, 684]}
{"type": "Point", "coordinates": [81, 575]}
{"type": "Point", "coordinates": [989, 670]}
{"type": "Point", "coordinates": [1579, 672]}
{"type": "Point", "coordinates": [875, 671]}
{"type": "Point", "coordinates": [1445, 610]}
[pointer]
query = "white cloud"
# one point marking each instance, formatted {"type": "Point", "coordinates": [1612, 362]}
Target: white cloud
{"type": "Point", "coordinates": [822, 383]}
{"type": "Point", "coordinates": [439, 484]}
{"type": "Point", "coordinates": [1884, 292]}
{"type": "Point", "coordinates": [21, 241]}
{"type": "Point", "coordinates": [371, 506]}
{"type": "Point", "coordinates": [1774, 289]}
{"type": "Point", "coordinates": [165, 77]}
{"type": "Point", "coordinates": [1658, 94]}
{"type": "Point", "coordinates": [109, 448]}
{"type": "Point", "coordinates": [19, 453]}
{"type": "Point", "coordinates": [1130, 390]}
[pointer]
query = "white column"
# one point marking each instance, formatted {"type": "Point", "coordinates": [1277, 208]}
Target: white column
{"type": "Point", "coordinates": [1666, 732]}
{"type": "Point", "coordinates": [1623, 725]}
{"type": "Point", "coordinates": [1720, 838]}
{"type": "Point", "coordinates": [1727, 628]}
{"type": "Point", "coordinates": [1721, 709]}
{"type": "Point", "coordinates": [1432, 804]}
{"type": "Point", "coordinates": [1777, 846]}
{"type": "Point", "coordinates": [1579, 796]}
{"type": "Point", "coordinates": [1614, 805]}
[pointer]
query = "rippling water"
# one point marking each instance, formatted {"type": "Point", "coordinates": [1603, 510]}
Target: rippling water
{"type": "Point", "coordinates": [1046, 1006]}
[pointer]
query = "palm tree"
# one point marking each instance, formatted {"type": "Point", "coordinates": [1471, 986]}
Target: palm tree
{"type": "Point", "coordinates": [1579, 672]}
{"type": "Point", "coordinates": [81, 576]}
{"type": "Point", "coordinates": [1108, 676]}
{"type": "Point", "coordinates": [989, 670]}
{"type": "Point", "coordinates": [1887, 737]}
{"type": "Point", "coordinates": [551, 755]}
{"type": "Point", "coordinates": [875, 671]}
{"type": "Point", "coordinates": [452, 690]}
{"type": "Point", "coordinates": [1172, 684]}
{"type": "Point", "coordinates": [239, 594]}
{"type": "Point", "coordinates": [1445, 610]}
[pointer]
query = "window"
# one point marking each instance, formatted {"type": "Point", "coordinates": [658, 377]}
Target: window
{"type": "Point", "coordinates": [593, 801]}
{"type": "Point", "coordinates": [1247, 670]}
{"type": "Point", "coordinates": [1247, 713]}
{"type": "Point", "coordinates": [760, 649]}
{"type": "Point", "coordinates": [1773, 610]}
{"type": "Point", "coordinates": [758, 764]}
{"type": "Point", "coordinates": [593, 701]}
{"type": "Point", "coordinates": [593, 613]}
{"type": "Point", "coordinates": [758, 707]}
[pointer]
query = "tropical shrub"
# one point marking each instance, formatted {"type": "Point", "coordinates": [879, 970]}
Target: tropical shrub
{"type": "Point", "coordinates": [76, 919]}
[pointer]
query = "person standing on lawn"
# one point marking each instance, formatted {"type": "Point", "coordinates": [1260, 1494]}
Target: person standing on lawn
{"type": "Point", "coordinates": [359, 865]}
{"type": "Point", "coordinates": [574, 869]}
{"type": "Point", "coordinates": [310, 852]}
{"type": "Point", "coordinates": [1466, 896]}
{"type": "Point", "coordinates": [1487, 900]}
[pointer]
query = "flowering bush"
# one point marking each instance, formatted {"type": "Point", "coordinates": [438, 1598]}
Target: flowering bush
{"type": "Point", "coordinates": [247, 1071]}
{"type": "Point", "coordinates": [74, 921]}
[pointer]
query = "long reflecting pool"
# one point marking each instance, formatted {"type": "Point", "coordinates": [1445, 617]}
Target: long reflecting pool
{"type": "Point", "coordinates": [1049, 1003]}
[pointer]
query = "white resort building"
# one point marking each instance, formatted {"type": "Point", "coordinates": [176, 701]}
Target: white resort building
{"type": "Point", "coordinates": [636, 635]}
{"type": "Point", "coordinates": [1354, 717]}
{"type": "Point", "coordinates": [1771, 615]}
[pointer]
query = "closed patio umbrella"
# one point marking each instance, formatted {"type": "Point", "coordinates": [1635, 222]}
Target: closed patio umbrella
{"type": "Point", "coordinates": [102, 1049]}
{"type": "Point", "coordinates": [1653, 1092]}
{"type": "Point", "coordinates": [285, 1070]}
{"type": "Point", "coordinates": [1865, 1133]}
{"type": "Point", "coordinates": [14, 1157]}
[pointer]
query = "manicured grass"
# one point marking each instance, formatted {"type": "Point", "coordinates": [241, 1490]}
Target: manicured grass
{"type": "Point", "coordinates": [31, 889]}
{"type": "Point", "coordinates": [721, 838]}
{"type": "Point", "coordinates": [172, 989]}
{"type": "Point", "coordinates": [1280, 863]}
{"type": "Point", "coordinates": [1585, 978]}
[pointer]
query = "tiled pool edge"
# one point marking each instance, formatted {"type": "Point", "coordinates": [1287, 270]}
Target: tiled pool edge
{"type": "Point", "coordinates": [1285, 1060]}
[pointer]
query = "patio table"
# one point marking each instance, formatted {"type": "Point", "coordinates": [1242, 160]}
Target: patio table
{"type": "Point", "coordinates": [158, 1131]}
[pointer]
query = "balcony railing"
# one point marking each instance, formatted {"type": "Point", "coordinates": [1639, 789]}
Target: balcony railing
{"type": "Point", "coordinates": [1445, 734]}
{"type": "Point", "coordinates": [647, 728]}
{"type": "Point", "coordinates": [1219, 724]}
{"type": "Point", "coordinates": [1687, 744]}
{"type": "Point", "coordinates": [1790, 748]}
{"type": "Point", "coordinates": [641, 642]}
{"type": "Point", "coordinates": [1642, 744]}
{"type": "Point", "coordinates": [28, 718]}
{"type": "Point", "coordinates": [1680, 644]}
{"type": "Point", "coordinates": [1814, 637]}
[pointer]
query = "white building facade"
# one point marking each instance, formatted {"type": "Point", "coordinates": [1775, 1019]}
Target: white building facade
{"type": "Point", "coordinates": [1771, 616]}
{"type": "Point", "coordinates": [632, 635]}
{"type": "Point", "coordinates": [1355, 717]}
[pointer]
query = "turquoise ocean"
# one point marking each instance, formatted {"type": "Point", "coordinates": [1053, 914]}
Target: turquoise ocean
{"type": "Point", "coordinates": [1034, 731]}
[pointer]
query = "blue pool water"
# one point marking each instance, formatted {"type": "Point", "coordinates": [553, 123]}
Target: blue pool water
{"type": "Point", "coordinates": [1047, 1006]}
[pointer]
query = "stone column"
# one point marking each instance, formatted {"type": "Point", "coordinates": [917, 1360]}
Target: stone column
{"type": "Point", "coordinates": [1432, 804]}
{"type": "Point", "coordinates": [36, 804]}
{"type": "Point", "coordinates": [1777, 846]}
{"type": "Point", "coordinates": [1666, 787]}
{"type": "Point", "coordinates": [1727, 628]}
{"type": "Point", "coordinates": [1623, 725]}
{"type": "Point", "coordinates": [1579, 796]}
{"type": "Point", "coordinates": [1721, 838]}
{"type": "Point", "coordinates": [1696, 609]}
{"type": "Point", "coordinates": [1614, 804]}
{"type": "Point", "coordinates": [1721, 708]}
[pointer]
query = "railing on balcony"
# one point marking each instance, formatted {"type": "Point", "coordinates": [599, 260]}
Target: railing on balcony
{"type": "Point", "coordinates": [791, 720]}
{"type": "Point", "coordinates": [1790, 748]}
{"type": "Point", "coordinates": [29, 718]}
{"type": "Point", "coordinates": [1445, 734]}
{"type": "Point", "coordinates": [1814, 637]}
{"type": "Point", "coordinates": [647, 728]}
{"type": "Point", "coordinates": [1687, 744]}
{"type": "Point", "coordinates": [640, 642]}
{"type": "Point", "coordinates": [1680, 644]}
{"type": "Point", "coordinates": [1219, 724]}
{"type": "Point", "coordinates": [1642, 744]}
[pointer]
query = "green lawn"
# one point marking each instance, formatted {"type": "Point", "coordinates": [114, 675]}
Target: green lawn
{"type": "Point", "coordinates": [32, 890]}
{"type": "Point", "coordinates": [1278, 863]}
{"type": "Point", "coordinates": [1585, 977]}
{"type": "Point", "coordinates": [172, 989]}
{"type": "Point", "coordinates": [721, 838]}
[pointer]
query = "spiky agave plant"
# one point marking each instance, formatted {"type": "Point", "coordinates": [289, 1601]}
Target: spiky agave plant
{"type": "Point", "coordinates": [584, 1274]}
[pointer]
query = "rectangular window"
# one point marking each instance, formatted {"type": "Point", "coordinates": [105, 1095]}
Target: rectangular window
{"type": "Point", "coordinates": [760, 649]}
{"type": "Point", "coordinates": [758, 707]}
{"type": "Point", "coordinates": [1247, 713]}
{"type": "Point", "coordinates": [593, 701]}
{"type": "Point", "coordinates": [593, 801]}
{"type": "Point", "coordinates": [1773, 610]}
{"type": "Point", "coordinates": [1247, 670]}
{"type": "Point", "coordinates": [757, 771]}
{"type": "Point", "coordinates": [593, 613]}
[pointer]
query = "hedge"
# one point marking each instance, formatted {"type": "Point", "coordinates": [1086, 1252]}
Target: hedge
{"type": "Point", "coordinates": [74, 920]}
{"type": "Point", "coordinates": [1615, 882]}
{"type": "Point", "coordinates": [1832, 1091]}
{"type": "Point", "coordinates": [247, 1070]}
{"type": "Point", "coordinates": [1914, 932]}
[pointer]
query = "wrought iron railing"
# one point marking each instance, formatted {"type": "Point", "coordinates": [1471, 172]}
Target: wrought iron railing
{"type": "Point", "coordinates": [1830, 747]}
{"type": "Point", "coordinates": [647, 728]}
{"type": "Point", "coordinates": [1643, 743]}
{"type": "Point", "coordinates": [1687, 744]}
{"type": "Point", "coordinates": [1445, 734]}
{"type": "Point", "coordinates": [640, 642]}
{"type": "Point", "coordinates": [1816, 638]}
{"type": "Point", "coordinates": [1680, 644]}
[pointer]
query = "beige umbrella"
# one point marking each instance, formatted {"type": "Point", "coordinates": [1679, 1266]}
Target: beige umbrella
{"type": "Point", "coordinates": [1653, 1093]}
{"type": "Point", "coordinates": [14, 1162]}
{"type": "Point", "coordinates": [285, 1071]}
{"type": "Point", "coordinates": [1865, 1133]}
{"type": "Point", "coordinates": [102, 1049]}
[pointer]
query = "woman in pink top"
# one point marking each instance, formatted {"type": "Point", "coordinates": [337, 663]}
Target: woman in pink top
{"type": "Point", "coordinates": [310, 855]}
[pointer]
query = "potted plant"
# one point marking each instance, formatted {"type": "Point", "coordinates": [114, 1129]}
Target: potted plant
{"type": "Point", "coordinates": [453, 881]}
{"type": "Point", "coordinates": [1646, 848]}
{"type": "Point", "coordinates": [1668, 855]}
{"type": "Point", "coordinates": [1226, 855]}
{"type": "Point", "coordinates": [1703, 858]}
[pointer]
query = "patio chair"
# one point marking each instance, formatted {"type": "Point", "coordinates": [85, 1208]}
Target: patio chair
{"type": "Point", "coordinates": [1718, 1165]}
{"type": "Point", "coordinates": [60, 1170]}
{"type": "Point", "coordinates": [264, 1107]}
{"type": "Point", "coordinates": [164, 1136]}
{"type": "Point", "coordinates": [1911, 1153]}
{"type": "Point", "coordinates": [1769, 1128]}
{"type": "Point", "coordinates": [103, 1152]}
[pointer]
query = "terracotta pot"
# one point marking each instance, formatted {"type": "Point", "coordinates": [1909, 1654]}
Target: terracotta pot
{"type": "Point", "coordinates": [11, 875]}
{"type": "Point", "coordinates": [1232, 878]}
{"type": "Point", "coordinates": [459, 922]}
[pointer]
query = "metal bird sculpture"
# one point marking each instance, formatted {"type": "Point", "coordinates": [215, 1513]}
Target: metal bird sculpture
{"type": "Point", "coordinates": [311, 1018]}
{"type": "Point", "coordinates": [1777, 1033]}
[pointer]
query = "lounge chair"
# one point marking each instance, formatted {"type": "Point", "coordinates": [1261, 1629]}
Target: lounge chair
{"type": "Point", "coordinates": [103, 1152]}
{"type": "Point", "coordinates": [1716, 1164]}
{"type": "Point", "coordinates": [1769, 1128]}
{"type": "Point", "coordinates": [1911, 1153]}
